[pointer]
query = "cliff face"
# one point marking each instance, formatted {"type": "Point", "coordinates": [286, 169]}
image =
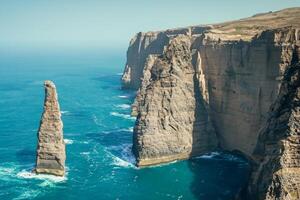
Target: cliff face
{"type": "Point", "coordinates": [208, 85]}
{"type": "Point", "coordinates": [213, 87]}
{"type": "Point", "coordinates": [51, 147]}
{"type": "Point", "coordinates": [242, 80]}
{"type": "Point", "coordinates": [168, 104]}
{"type": "Point", "coordinates": [144, 44]}
{"type": "Point", "coordinates": [278, 174]}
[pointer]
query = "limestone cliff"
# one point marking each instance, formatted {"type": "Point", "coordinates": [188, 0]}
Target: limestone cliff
{"type": "Point", "coordinates": [213, 86]}
{"type": "Point", "coordinates": [169, 125]}
{"type": "Point", "coordinates": [277, 175]}
{"type": "Point", "coordinates": [238, 67]}
{"type": "Point", "coordinates": [51, 147]}
{"type": "Point", "coordinates": [145, 44]}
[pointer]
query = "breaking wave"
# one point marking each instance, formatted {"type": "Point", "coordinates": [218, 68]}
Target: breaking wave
{"type": "Point", "coordinates": [125, 157]}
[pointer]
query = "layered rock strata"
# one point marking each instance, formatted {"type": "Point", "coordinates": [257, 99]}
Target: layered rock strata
{"type": "Point", "coordinates": [237, 69]}
{"type": "Point", "coordinates": [277, 175]}
{"type": "Point", "coordinates": [51, 154]}
{"type": "Point", "coordinates": [233, 85]}
{"type": "Point", "coordinates": [169, 125]}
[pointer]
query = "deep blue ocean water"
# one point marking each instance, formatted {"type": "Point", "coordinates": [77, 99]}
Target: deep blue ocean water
{"type": "Point", "coordinates": [98, 133]}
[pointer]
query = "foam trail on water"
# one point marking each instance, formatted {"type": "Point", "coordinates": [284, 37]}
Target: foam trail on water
{"type": "Point", "coordinates": [121, 163]}
{"type": "Point", "coordinates": [30, 175]}
{"type": "Point", "coordinates": [123, 106]}
{"type": "Point", "coordinates": [28, 194]}
{"type": "Point", "coordinates": [126, 158]}
{"type": "Point", "coordinates": [209, 155]}
{"type": "Point", "coordinates": [123, 96]}
{"type": "Point", "coordinates": [124, 116]}
{"type": "Point", "coordinates": [64, 112]}
{"type": "Point", "coordinates": [68, 141]}
{"type": "Point", "coordinates": [130, 129]}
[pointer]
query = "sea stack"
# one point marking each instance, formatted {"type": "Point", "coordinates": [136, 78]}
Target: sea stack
{"type": "Point", "coordinates": [51, 154]}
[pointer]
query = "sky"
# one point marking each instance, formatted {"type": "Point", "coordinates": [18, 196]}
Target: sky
{"type": "Point", "coordinates": [109, 24]}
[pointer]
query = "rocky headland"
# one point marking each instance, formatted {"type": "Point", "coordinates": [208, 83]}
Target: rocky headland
{"type": "Point", "coordinates": [51, 154]}
{"type": "Point", "coordinates": [232, 86]}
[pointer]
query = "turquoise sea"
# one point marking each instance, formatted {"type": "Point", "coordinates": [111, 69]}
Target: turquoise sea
{"type": "Point", "coordinates": [98, 132]}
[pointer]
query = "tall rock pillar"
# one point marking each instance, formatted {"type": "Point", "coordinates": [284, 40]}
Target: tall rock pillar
{"type": "Point", "coordinates": [51, 154]}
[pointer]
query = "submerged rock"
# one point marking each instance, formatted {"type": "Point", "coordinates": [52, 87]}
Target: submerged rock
{"type": "Point", "coordinates": [51, 154]}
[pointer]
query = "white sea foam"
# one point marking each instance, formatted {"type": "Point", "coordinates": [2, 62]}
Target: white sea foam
{"type": "Point", "coordinates": [6, 170]}
{"type": "Point", "coordinates": [30, 175]}
{"type": "Point", "coordinates": [64, 112]}
{"type": "Point", "coordinates": [8, 173]}
{"type": "Point", "coordinates": [209, 155]}
{"type": "Point", "coordinates": [123, 106]}
{"type": "Point", "coordinates": [85, 153]}
{"type": "Point", "coordinates": [222, 156]}
{"type": "Point", "coordinates": [130, 129]}
{"type": "Point", "coordinates": [28, 194]}
{"type": "Point", "coordinates": [68, 141]}
{"type": "Point", "coordinates": [121, 163]}
{"type": "Point", "coordinates": [123, 96]}
{"type": "Point", "coordinates": [124, 116]}
{"type": "Point", "coordinates": [126, 158]}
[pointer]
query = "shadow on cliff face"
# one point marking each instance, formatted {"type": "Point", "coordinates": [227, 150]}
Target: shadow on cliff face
{"type": "Point", "coordinates": [217, 176]}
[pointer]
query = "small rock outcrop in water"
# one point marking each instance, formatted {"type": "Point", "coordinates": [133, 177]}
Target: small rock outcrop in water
{"type": "Point", "coordinates": [51, 147]}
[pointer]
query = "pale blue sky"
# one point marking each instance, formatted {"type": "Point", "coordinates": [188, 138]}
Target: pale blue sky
{"type": "Point", "coordinates": [111, 23]}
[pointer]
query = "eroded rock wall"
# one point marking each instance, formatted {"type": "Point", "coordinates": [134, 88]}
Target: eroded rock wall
{"type": "Point", "coordinates": [151, 43]}
{"type": "Point", "coordinates": [214, 87]}
{"type": "Point", "coordinates": [172, 117]}
{"type": "Point", "coordinates": [243, 78]}
{"type": "Point", "coordinates": [277, 175]}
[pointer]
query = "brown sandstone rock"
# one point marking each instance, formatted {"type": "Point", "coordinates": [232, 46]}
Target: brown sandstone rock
{"type": "Point", "coordinates": [51, 147]}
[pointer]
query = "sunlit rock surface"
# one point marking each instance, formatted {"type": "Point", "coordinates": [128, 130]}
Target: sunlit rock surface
{"type": "Point", "coordinates": [51, 154]}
